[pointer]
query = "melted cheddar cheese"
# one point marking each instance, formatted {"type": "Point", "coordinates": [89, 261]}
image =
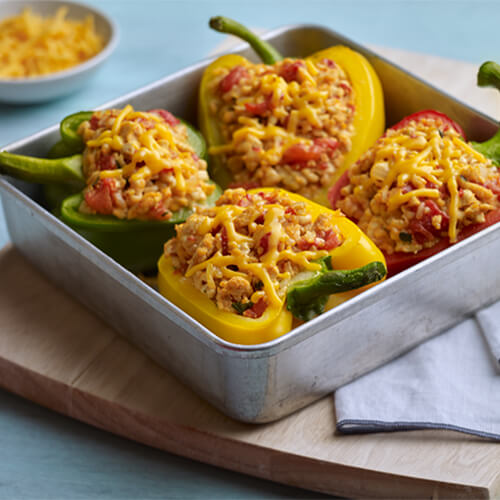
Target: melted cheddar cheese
{"type": "Point", "coordinates": [140, 165]}
{"type": "Point", "coordinates": [31, 45]}
{"type": "Point", "coordinates": [419, 184]}
{"type": "Point", "coordinates": [243, 252]}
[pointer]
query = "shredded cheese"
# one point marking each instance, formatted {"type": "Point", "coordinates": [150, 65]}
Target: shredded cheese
{"type": "Point", "coordinates": [439, 162]}
{"type": "Point", "coordinates": [224, 215]}
{"type": "Point", "coordinates": [150, 150]}
{"type": "Point", "coordinates": [31, 45]}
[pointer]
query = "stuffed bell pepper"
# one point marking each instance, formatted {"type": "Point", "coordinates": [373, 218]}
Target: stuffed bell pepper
{"type": "Point", "coordinates": [289, 123]}
{"type": "Point", "coordinates": [421, 188]}
{"type": "Point", "coordinates": [247, 266]}
{"type": "Point", "coordinates": [136, 174]}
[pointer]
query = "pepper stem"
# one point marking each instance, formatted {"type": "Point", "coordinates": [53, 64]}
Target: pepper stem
{"type": "Point", "coordinates": [265, 51]}
{"type": "Point", "coordinates": [66, 170]}
{"type": "Point", "coordinates": [489, 76]}
{"type": "Point", "coordinates": [307, 298]}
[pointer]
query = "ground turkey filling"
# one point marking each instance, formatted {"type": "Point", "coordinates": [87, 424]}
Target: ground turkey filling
{"type": "Point", "coordinates": [140, 165]}
{"type": "Point", "coordinates": [417, 185]}
{"type": "Point", "coordinates": [288, 125]}
{"type": "Point", "coordinates": [243, 252]}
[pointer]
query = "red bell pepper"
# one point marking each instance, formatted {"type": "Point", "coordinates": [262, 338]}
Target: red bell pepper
{"type": "Point", "coordinates": [399, 261]}
{"type": "Point", "coordinates": [433, 115]}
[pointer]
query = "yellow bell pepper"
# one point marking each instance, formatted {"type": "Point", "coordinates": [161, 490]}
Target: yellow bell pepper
{"type": "Point", "coordinates": [369, 117]}
{"type": "Point", "coordinates": [347, 269]}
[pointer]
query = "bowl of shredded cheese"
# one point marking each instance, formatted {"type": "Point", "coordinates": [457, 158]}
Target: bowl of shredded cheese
{"type": "Point", "coordinates": [49, 49]}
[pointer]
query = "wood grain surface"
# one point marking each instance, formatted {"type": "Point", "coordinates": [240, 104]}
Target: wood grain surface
{"type": "Point", "coordinates": [55, 352]}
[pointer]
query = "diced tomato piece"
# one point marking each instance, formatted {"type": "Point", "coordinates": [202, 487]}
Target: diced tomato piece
{"type": "Point", "coordinates": [289, 71]}
{"type": "Point", "coordinates": [159, 212]}
{"type": "Point", "coordinates": [94, 122]}
{"type": "Point", "coordinates": [269, 197]}
{"type": "Point", "coordinates": [232, 78]}
{"type": "Point", "coordinates": [257, 310]}
{"type": "Point", "coordinates": [245, 201]}
{"type": "Point", "coordinates": [327, 144]}
{"type": "Point", "coordinates": [331, 240]}
{"type": "Point", "coordinates": [346, 87]}
{"type": "Point", "coordinates": [435, 210]}
{"type": "Point", "coordinates": [329, 63]}
{"type": "Point", "coordinates": [264, 243]}
{"type": "Point", "coordinates": [302, 153]}
{"type": "Point", "coordinates": [224, 240]}
{"type": "Point", "coordinates": [99, 197]}
{"type": "Point", "coordinates": [304, 244]}
{"type": "Point", "coordinates": [423, 229]}
{"type": "Point", "coordinates": [260, 219]}
{"type": "Point", "coordinates": [334, 192]}
{"type": "Point", "coordinates": [167, 117]}
{"type": "Point", "coordinates": [325, 240]}
{"type": "Point", "coordinates": [290, 211]}
{"type": "Point", "coordinates": [259, 108]}
{"type": "Point", "coordinates": [105, 161]}
{"type": "Point", "coordinates": [215, 230]}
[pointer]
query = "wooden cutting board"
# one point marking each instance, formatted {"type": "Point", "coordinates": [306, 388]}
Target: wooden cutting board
{"type": "Point", "coordinates": [55, 352]}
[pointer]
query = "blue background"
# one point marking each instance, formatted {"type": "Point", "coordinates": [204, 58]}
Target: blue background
{"type": "Point", "coordinates": [45, 455]}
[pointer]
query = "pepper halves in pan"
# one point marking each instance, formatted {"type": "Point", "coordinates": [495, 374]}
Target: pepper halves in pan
{"type": "Point", "coordinates": [289, 123]}
{"type": "Point", "coordinates": [247, 266]}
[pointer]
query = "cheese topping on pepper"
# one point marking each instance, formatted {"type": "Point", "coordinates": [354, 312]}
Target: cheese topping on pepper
{"type": "Point", "coordinates": [140, 165]}
{"type": "Point", "coordinates": [287, 125]}
{"type": "Point", "coordinates": [419, 184]}
{"type": "Point", "coordinates": [243, 252]}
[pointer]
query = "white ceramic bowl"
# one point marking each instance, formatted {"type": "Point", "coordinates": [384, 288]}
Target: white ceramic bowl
{"type": "Point", "coordinates": [47, 87]}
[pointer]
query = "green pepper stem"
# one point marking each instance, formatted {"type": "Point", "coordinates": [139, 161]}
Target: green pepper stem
{"type": "Point", "coordinates": [307, 298]}
{"type": "Point", "coordinates": [266, 52]}
{"type": "Point", "coordinates": [489, 75]}
{"type": "Point", "coordinates": [41, 170]}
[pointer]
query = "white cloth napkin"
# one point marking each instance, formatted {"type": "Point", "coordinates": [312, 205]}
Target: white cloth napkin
{"type": "Point", "coordinates": [449, 382]}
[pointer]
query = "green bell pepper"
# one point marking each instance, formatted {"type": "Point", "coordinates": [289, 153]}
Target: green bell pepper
{"type": "Point", "coordinates": [136, 244]}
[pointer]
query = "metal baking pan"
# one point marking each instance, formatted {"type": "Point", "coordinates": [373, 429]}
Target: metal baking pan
{"type": "Point", "coordinates": [264, 382]}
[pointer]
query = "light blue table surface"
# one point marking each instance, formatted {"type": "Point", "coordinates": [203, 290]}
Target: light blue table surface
{"type": "Point", "coordinates": [45, 455]}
